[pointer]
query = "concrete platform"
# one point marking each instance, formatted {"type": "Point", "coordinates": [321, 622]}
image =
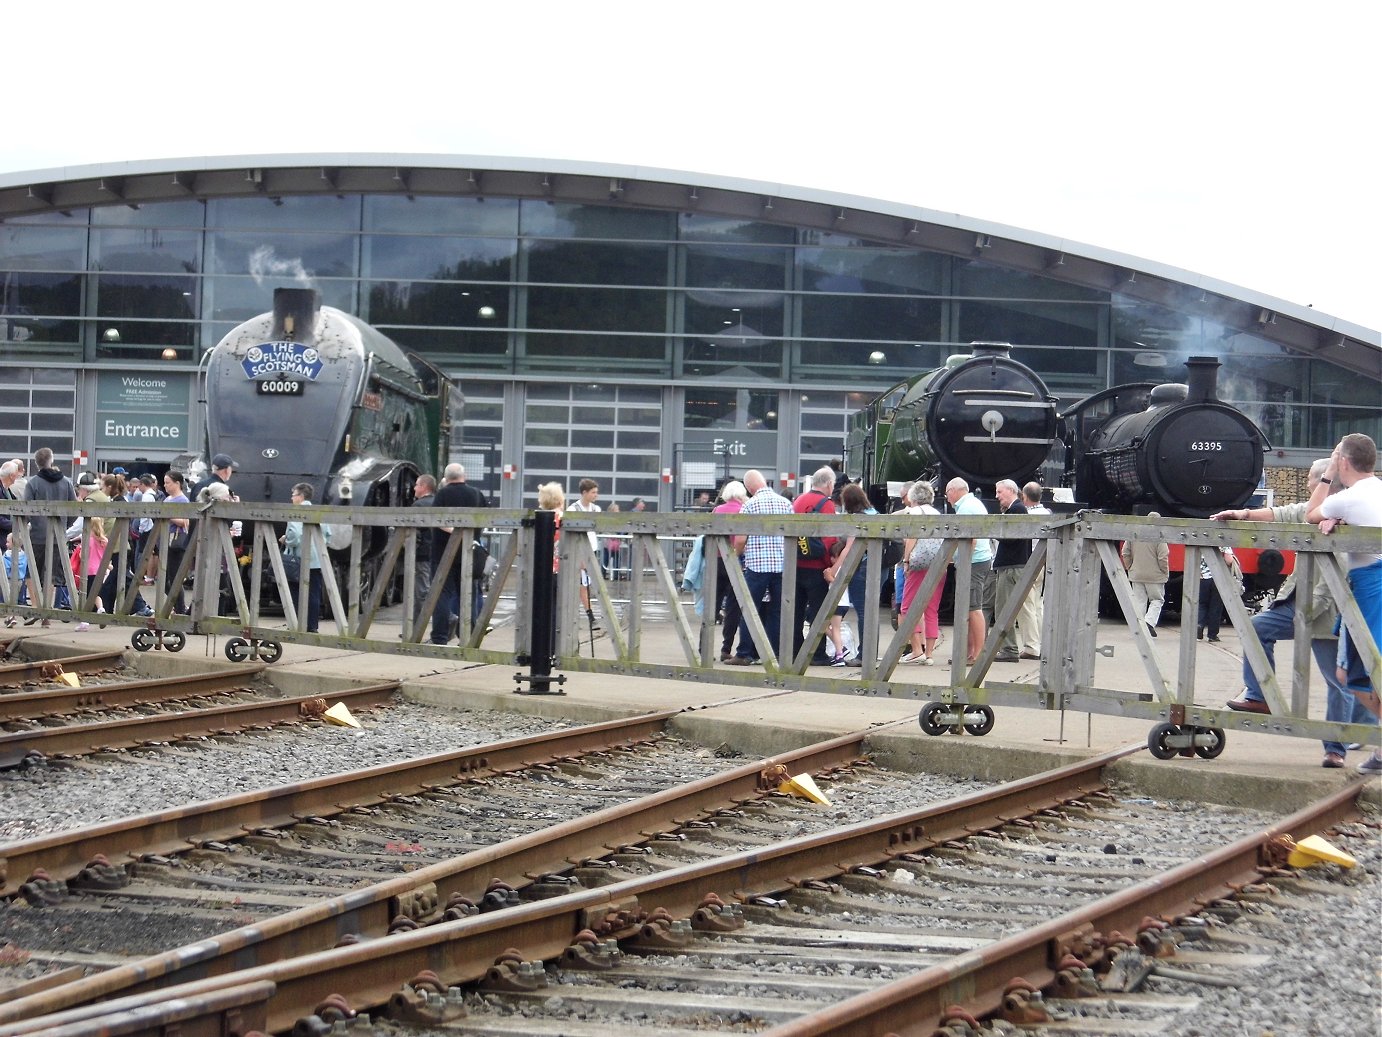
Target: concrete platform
{"type": "Point", "coordinates": [1255, 770]}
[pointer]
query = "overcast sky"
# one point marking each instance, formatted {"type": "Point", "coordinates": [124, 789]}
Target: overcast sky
{"type": "Point", "coordinates": [1235, 140]}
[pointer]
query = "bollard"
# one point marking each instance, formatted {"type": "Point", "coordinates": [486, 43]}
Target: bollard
{"type": "Point", "coordinates": [542, 647]}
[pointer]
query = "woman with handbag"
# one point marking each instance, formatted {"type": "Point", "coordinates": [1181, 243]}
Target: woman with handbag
{"type": "Point", "coordinates": [920, 554]}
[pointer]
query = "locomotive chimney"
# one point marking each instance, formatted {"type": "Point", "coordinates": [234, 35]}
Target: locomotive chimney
{"type": "Point", "coordinates": [979, 349]}
{"type": "Point", "coordinates": [1204, 379]}
{"type": "Point", "coordinates": [295, 312]}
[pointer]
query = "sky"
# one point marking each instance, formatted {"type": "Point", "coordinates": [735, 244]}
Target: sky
{"type": "Point", "coordinates": [1234, 140]}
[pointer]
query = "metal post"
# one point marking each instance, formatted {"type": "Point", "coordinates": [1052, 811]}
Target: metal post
{"type": "Point", "coordinates": [543, 583]}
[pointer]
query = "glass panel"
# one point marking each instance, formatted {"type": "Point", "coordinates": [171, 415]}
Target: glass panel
{"type": "Point", "coordinates": [555, 350]}
{"type": "Point", "coordinates": [859, 270]}
{"type": "Point", "coordinates": [731, 408]}
{"type": "Point", "coordinates": [593, 438]}
{"type": "Point", "coordinates": [33, 305]}
{"type": "Point", "coordinates": [293, 257]}
{"type": "Point", "coordinates": [640, 417]}
{"type": "Point", "coordinates": [496, 217]}
{"type": "Point", "coordinates": [629, 439]}
{"type": "Point", "coordinates": [1071, 326]}
{"type": "Point", "coordinates": [541, 219]}
{"type": "Point", "coordinates": [304, 212]}
{"type": "Point", "coordinates": [433, 303]}
{"type": "Point", "coordinates": [1328, 425]}
{"type": "Point", "coordinates": [694, 226]}
{"type": "Point", "coordinates": [638, 394]}
{"type": "Point", "coordinates": [871, 361]}
{"type": "Point", "coordinates": [569, 262]}
{"type": "Point", "coordinates": [1334, 385]}
{"type": "Point", "coordinates": [189, 213]}
{"type": "Point", "coordinates": [869, 318]}
{"type": "Point", "coordinates": [1149, 328]}
{"type": "Point", "coordinates": [25, 247]}
{"type": "Point", "coordinates": [597, 309]}
{"type": "Point", "coordinates": [439, 259]}
{"type": "Point", "coordinates": [592, 416]}
{"type": "Point", "coordinates": [549, 437]}
{"type": "Point", "coordinates": [235, 299]}
{"type": "Point", "coordinates": [541, 413]}
{"type": "Point", "coordinates": [146, 251]}
{"type": "Point", "coordinates": [735, 270]}
{"type": "Point", "coordinates": [976, 277]}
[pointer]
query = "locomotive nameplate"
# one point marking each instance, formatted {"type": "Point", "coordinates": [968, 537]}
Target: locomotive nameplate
{"type": "Point", "coordinates": [278, 387]}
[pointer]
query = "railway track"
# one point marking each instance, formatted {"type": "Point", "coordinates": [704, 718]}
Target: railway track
{"type": "Point", "coordinates": [834, 880]}
{"type": "Point", "coordinates": [16, 674]}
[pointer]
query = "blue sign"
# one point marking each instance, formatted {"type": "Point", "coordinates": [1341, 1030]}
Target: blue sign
{"type": "Point", "coordinates": [271, 358]}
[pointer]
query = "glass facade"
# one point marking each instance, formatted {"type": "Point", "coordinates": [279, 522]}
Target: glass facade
{"type": "Point", "coordinates": [587, 337]}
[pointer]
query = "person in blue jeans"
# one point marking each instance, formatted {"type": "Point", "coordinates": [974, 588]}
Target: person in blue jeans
{"type": "Point", "coordinates": [1277, 623]}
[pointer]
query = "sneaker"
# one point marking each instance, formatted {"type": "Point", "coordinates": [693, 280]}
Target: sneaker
{"type": "Point", "coordinates": [1151, 630]}
{"type": "Point", "coordinates": [1354, 746]}
{"type": "Point", "coordinates": [839, 660]}
{"type": "Point", "coordinates": [82, 627]}
{"type": "Point", "coordinates": [1332, 760]}
{"type": "Point", "coordinates": [739, 660]}
{"type": "Point", "coordinates": [1007, 657]}
{"type": "Point", "coordinates": [910, 658]}
{"type": "Point", "coordinates": [1372, 765]}
{"type": "Point", "coordinates": [855, 661]}
{"type": "Point", "coordinates": [926, 660]}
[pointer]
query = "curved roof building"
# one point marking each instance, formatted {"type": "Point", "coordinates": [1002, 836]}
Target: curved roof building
{"type": "Point", "coordinates": [646, 327]}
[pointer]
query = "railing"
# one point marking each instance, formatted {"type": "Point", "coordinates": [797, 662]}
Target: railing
{"type": "Point", "coordinates": [360, 587]}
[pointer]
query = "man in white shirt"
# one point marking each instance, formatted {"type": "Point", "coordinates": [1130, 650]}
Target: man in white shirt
{"type": "Point", "coordinates": [1359, 503]}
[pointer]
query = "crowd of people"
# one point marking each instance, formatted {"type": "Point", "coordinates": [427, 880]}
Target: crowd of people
{"type": "Point", "coordinates": [1343, 489]}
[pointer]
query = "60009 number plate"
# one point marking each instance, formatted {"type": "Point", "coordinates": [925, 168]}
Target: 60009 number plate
{"type": "Point", "coordinates": [279, 387]}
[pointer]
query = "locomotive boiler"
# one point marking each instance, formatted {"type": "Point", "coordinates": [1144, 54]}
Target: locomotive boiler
{"type": "Point", "coordinates": [308, 393]}
{"type": "Point", "coordinates": [983, 416]}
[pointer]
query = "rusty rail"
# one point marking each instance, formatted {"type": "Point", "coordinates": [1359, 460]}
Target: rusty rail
{"type": "Point", "coordinates": [29, 704]}
{"type": "Point", "coordinates": [14, 674]}
{"type": "Point", "coordinates": [64, 854]}
{"type": "Point", "coordinates": [463, 950]}
{"type": "Point", "coordinates": [975, 981]}
{"type": "Point", "coordinates": [79, 739]}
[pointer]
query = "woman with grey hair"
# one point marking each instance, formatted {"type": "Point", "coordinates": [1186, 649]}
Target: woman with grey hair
{"type": "Point", "coordinates": [733, 494]}
{"type": "Point", "coordinates": [919, 498]}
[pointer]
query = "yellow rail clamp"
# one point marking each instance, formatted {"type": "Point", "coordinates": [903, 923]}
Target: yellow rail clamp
{"type": "Point", "coordinates": [1312, 850]}
{"type": "Point", "coordinates": [340, 716]}
{"type": "Point", "coordinates": [70, 679]}
{"type": "Point", "coordinates": [803, 786]}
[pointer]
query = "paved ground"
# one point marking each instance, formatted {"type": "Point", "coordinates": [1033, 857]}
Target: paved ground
{"type": "Point", "coordinates": [1255, 769]}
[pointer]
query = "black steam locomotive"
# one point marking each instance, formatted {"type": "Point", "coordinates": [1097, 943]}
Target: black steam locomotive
{"type": "Point", "coordinates": [983, 417]}
{"type": "Point", "coordinates": [308, 393]}
{"type": "Point", "coordinates": [1174, 449]}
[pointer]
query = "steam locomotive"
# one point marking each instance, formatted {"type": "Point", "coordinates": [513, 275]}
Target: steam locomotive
{"type": "Point", "coordinates": [1174, 449]}
{"type": "Point", "coordinates": [982, 416]}
{"type": "Point", "coordinates": [308, 393]}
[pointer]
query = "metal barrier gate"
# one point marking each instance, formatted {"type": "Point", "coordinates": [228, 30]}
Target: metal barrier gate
{"type": "Point", "coordinates": [236, 587]}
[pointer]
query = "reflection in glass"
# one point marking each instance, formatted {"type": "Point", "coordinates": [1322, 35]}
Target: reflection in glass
{"type": "Point", "coordinates": [492, 217]}
{"type": "Point", "coordinates": [731, 408]}
{"type": "Point", "coordinates": [582, 262]}
{"type": "Point", "coordinates": [543, 219]}
{"type": "Point", "coordinates": [439, 259]}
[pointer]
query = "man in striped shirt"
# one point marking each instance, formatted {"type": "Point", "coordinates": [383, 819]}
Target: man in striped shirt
{"type": "Point", "coordinates": [763, 559]}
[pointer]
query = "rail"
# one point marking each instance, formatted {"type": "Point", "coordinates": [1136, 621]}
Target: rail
{"type": "Point", "coordinates": [238, 588]}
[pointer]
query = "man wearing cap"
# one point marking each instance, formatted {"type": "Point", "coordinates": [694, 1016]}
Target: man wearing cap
{"type": "Point", "coordinates": [222, 465]}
